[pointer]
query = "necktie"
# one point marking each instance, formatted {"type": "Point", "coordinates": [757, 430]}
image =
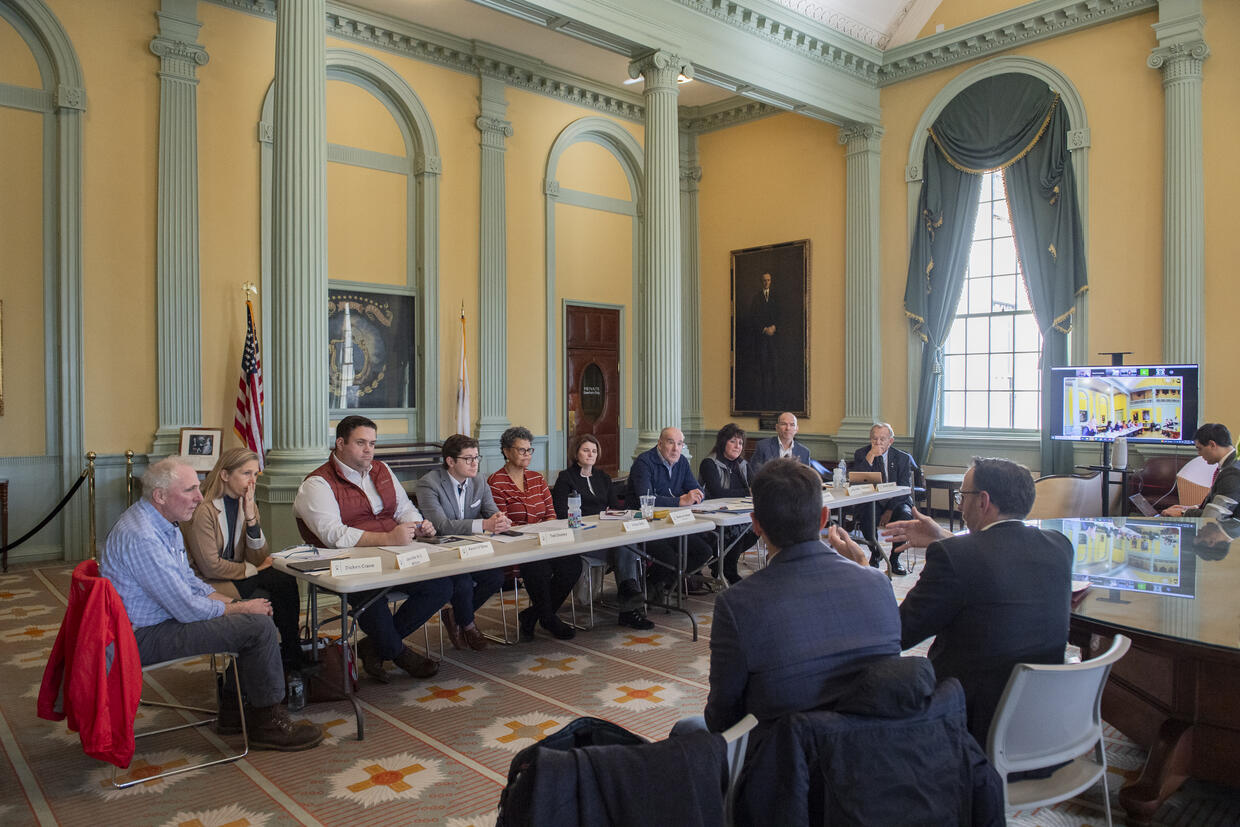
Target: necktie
{"type": "Point", "coordinates": [1214, 479]}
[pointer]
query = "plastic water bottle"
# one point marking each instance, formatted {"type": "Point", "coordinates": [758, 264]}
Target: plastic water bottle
{"type": "Point", "coordinates": [574, 511]}
{"type": "Point", "coordinates": [296, 693]}
{"type": "Point", "coordinates": [839, 475]}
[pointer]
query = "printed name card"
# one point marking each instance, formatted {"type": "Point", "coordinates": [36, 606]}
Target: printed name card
{"type": "Point", "coordinates": [635, 525]}
{"type": "Point", "coordinates": [888, 486]}
{"type": "Point", "coordinates": [411, 558]}
{"type": "Point", "coordinates": [482, 549]}
{"type": "Point", "coordinates": [827, 495]}
{"type": "Point", "coordinates": [681, 516]}
{"type": "Point", "coordinates": [345, 566]}
{"type": "Point", "coordinates": [865, 488]}
{"type": "Point", "coordinates": [555, 538]}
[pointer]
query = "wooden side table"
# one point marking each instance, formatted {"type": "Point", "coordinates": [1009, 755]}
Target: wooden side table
{"type": "Point", "coordinates": [951, 482]}
{"type": "Point", "coordinates": [4, 524]}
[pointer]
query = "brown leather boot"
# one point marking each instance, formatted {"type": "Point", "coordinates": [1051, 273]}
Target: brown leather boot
{"type": "Point", "coordinates": [271, 728]}
{"type": "Point", "coordinates": [372, 661]}
{"type": "Point", "coordinates": [455, 634]}
{"type": "Point", "coordinates": [416, 665]}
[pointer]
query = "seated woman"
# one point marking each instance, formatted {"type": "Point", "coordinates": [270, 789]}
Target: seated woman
{"type": "Point", "coordinates": [724, 473]}
{"type": "Point", "coordinates": [228, 550]}
{"type": "Point", "coordinates": [523, 495]}
{"type": "Point", "coordinates": [597, 493]}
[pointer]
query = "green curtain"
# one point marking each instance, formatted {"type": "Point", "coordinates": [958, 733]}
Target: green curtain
{"type": "Point", "coordinates": [1011, 122]}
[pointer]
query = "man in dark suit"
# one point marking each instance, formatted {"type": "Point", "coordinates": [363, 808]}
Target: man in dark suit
{"type": "Point", "coordinates": [783, 444]}
{"type": "Point", "coordinates": [994, 597]}
{"type": "Point", "coordinates": [457, 502]}
{"type": "Point", "coordinates": [895, 466]}
{"type": "Point", "coordinates": [792, 636]}
{"type": "Point", "coordinates": [764, 320]}
{"type": "Point", "coordinates": [1213, 442]}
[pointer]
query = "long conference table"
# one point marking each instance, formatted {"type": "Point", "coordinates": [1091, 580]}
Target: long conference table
{"type": "Point", "coordinates": [1171, 585]}
{"type": "Point", "coordinates": [447, 560]}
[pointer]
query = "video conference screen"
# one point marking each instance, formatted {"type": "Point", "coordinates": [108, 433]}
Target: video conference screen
{"type": "Point", "coordinates": [1135, 556]}
{"type": "Point", "coordinates": [1143, 403]}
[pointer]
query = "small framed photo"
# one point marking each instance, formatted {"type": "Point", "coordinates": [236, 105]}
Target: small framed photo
{"type": "Point", "coordinates": [201, 447]}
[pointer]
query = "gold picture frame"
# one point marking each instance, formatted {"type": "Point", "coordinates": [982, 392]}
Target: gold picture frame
{"type": "Point", "coordinates": [1, 358]}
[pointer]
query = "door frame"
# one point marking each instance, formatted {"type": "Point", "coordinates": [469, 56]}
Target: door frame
{"type": "Point", "coordinates": [628, 436]}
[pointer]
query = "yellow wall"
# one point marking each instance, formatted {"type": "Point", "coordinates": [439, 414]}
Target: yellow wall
{"type": "Point", "coordinates": [777, 179]}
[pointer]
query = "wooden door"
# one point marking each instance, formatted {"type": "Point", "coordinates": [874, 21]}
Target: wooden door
{"type": "Point", "coordinates": [592, 361]}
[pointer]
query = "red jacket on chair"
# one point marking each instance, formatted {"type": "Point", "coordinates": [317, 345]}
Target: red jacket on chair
{"type": "Point", "coordinates": [94, 676]}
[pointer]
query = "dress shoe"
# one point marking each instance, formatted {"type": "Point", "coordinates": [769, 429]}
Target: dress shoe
{"type": "Point", "coordinates": [448, 618]}
{"type": "Point", "coordinates": [372, 661]}
{"type": "Point", "coordinates": [474, 638]}
{"type": "Point", "coordinates": [271, 728]}
{"type": "Point", "coordinates": [636, 619]}
{"type": "Point", "coordinates": [558, 627]}
{"type": "Point", "coordinates": [416, 665]}
{"type": "Point", "coordinates": [897, 568]}
{"type": "Point", "coordinates": [526, 620]}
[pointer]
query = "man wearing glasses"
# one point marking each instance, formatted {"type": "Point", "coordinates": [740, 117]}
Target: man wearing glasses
{"type": "Point", "coordinates": [353, 500]}
{"type": "Point", "coordinates": [994, 597]}
{"type": "Point", "coordinates": [457, 502]}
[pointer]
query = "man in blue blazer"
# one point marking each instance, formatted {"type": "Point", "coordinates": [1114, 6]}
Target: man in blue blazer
{"type": "Point", "coordinates": [664, 472]}
{"type": "Point", "coordinates": [895, 466]}
{"type": "Point", "coordinates": [781, 445]}
{"type": "Point", "coordinates": [792, 636]}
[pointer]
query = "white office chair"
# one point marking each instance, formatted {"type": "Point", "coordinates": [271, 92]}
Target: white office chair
{"type": "Point", "coordinates": [737, 739]}
{"type": "Point", "coordinates": [1049, 715]}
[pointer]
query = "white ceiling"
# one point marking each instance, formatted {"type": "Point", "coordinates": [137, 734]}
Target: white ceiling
{"type": "Point", "coordinates": [880, 23]}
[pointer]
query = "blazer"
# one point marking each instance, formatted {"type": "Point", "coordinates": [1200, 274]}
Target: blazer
{"type": "Point", "coordinates": [993, 599]}
{"type": "Point", "coordinates": [792, 636]}
{"type": "Point", "coordinates": [720, 482]}
{"type": "Point", "coordinates": [1226, 484]}
{"type": "Point", "coordinates": [649, 475]}
{"type": "Point", "coordinates": [204, 541]}
{"type": "Point", "coordinates": [436, 493]}
{"type": "Point", "coordinates": [595, 497]}
{"type": "Point", "coordinates": [899, 470]}
{"type": "Point", "coordinates": [768, 449]}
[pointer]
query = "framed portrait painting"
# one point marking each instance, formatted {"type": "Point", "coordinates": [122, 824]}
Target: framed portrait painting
{"type": "Point", "coordinates": [770, 329]}
{"type": "Point", "coordinates": [201, 447]}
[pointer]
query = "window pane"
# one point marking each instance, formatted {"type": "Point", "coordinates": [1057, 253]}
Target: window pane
{"type": "Point", "coordinates": [953, 410]}
{"type": "Point", "coordinates": [1027, 414]}
{"type": "Point", "coordinates": [1001, 333]}
{"type": "Point", "coordinates": [979, 258]}
{"type": "Point", "coordinates": [1005, 256]}
{"type": "Point", "coordinates": [995, 179]}
{"type": "Point", "coordinates": [977, 334]}
{"type": "Point", "coordinates": [975, 409]}
{"type": "Point", "coordinates": [1001, 372]}
{"type": "Point", "coordinates": [1022, 296]}
{"type": "Point", "coordinates": [955, 339]}
{"type": "Point", "coordinates": [1027, 337]}
{"type": "Point", "coordinates": [1000, 224]}
{"type": "Point", "coordinates": [953, 373]}
{"type": "Point", "coordinates": [979, 295]}
{"type": "Point", "coordinates": [1004, 288]}
{"type": "Point", "coordinates": [1000, 410]}
{"type": "Point", "coordinates": [1026, 376]}
{"type": "Point", "coordinates": [977, 372]}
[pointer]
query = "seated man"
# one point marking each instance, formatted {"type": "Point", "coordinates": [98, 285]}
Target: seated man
{"type": "Point", "coordinates": [665, 473]}
{"type": "Point", "coordinates": [457, 502]}
{"type": "Point", "coordinates": [994, 597]}
{"type": "Point", "coordinates": [792, 636]}
{"type": "Point", "coordinates": [1213, 443]}
{"type": "Point", "coordinates": [781, 445]}
{"type": "Point", "coordinates": [351, 500]}
{"type": "Point", "coordinates": [895, 466]}
{"type": "Point", "coordinates": [174, 614]}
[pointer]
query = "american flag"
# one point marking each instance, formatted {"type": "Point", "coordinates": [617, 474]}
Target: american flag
{"type": "Point", "coordinates": [249, 420]}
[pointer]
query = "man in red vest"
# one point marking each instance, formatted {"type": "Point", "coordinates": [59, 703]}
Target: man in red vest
{"type": "Point", "coordinates": [352, 500]}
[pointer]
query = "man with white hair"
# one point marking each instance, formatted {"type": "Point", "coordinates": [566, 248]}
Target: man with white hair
{"type": "Point", "coordinates": [881, 457]}
{"type": "Point", "coordinates": [174, 614]}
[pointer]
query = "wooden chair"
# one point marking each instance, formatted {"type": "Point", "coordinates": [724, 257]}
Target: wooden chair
{"type": "Point", "coordinates": [1067, 495]}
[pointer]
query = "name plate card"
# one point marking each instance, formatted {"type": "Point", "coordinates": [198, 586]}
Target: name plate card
{"type": "Point", "coordinates": [471, 550]}
{"type": "Point", "coordinates": [635, 525]}
{"type": "Point", "coordinates": [888, 486]}
{"type": "Point", "coordinates": [827, 495]}
{"type": "Point", "coordinates": [555, 538]}
{"type": "Point", "coordinates": [346, 566]}
{"type": "Point", "coordinates": [681, 516]}
{"type": "Point", "coordinates": [863, 488]}
{"type": "Point", "coordinates": [411, 558]}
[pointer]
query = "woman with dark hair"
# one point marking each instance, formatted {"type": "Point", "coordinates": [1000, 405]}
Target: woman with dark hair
{"type": "Point", "coordinates": [523, 495]}
{"type": "Point", "coordinates": [592, 484]}
{"type": "Point", "coordinates": [725, 473]}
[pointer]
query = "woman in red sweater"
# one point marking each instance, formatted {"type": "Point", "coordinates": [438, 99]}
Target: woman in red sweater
{"type": "Point", "coordinates": [523, 495]}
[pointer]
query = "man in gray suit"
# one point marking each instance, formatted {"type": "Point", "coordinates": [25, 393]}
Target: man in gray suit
{"type": "Point", "coordinates": [1222, 501]}
{"type": "Point", "coordinates": [457, 502]}
{"type": "Point", "coordinates": [783, 444]}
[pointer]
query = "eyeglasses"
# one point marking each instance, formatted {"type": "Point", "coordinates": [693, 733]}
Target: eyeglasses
{"type": "Point", "coordinates": [525, 452]}
{"type": "Point", "coordinates": [958, 497]}
{"type": "Point", "coordinates": [471, 460]}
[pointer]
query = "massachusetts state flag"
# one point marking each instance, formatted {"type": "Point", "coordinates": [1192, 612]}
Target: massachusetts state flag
{"type": "Point", "coordinates": [462, 387]}
{"type": "Point", "coordinates": [248, 422]}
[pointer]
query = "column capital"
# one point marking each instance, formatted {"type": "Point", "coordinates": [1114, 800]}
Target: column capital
{"type": "Point", "coordinates": [179, 50]}
{"type": "Point", "coordinates": [690, 177]}
{"type": "Point", "coordinates": [494, 131]}
{"type": "Point", "coordinates": [660, 69]}
{"type": "Point", "coordinates": [861, 137]}
{"type": "Point", "coordinates": [1179, 60]}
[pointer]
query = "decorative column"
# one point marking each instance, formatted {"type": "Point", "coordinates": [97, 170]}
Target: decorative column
{"type": "Point", "coordinates": [691, 308]}
{"type": "Point", "coordinates": [659, 311]}
{"type": "Point", "coordinates": [862, 344]}
{"type": "Point", "coordinates": [297, 377]}
{"type": "Point", "coordinates": [1179, 56]}
{"type": "Point", "coordinates": [493, 273]}
{"type": "Point", "coordinates": [178, 313]}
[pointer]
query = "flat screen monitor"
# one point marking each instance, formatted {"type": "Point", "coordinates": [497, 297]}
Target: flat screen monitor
{"type": "Point", "coordinates": [1133, 556]}
{"type": "Point", "coordinates": [1144, 403]}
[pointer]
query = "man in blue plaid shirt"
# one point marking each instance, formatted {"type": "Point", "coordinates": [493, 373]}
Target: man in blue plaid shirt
{"type": "Point", "coordinates": [174, 614]}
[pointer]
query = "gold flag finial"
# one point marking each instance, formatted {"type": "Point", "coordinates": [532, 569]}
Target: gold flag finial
{"type": "Point", "coordinates": [250, 290]}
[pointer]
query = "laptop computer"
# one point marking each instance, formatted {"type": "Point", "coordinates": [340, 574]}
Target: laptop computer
{"type": "Point", "coordinates": [1143, 505]}
{"type": "Point", "coordinates": [864, 477]}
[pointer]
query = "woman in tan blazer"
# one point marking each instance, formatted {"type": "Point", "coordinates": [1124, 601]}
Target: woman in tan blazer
{"type": "Point", "coordinates": [228, 550]}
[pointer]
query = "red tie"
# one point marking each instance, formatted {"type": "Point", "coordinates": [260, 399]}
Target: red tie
{"type": "Point", "coordinates": [1214, 479]}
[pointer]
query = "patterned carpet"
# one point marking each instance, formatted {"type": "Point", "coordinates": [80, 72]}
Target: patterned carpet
{"type": "Point", "coordinates": [436, 751]}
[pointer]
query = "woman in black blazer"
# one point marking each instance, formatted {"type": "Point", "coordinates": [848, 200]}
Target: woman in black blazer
{"type": "Point", "coordinates": [598, 493]}
{"type": "Point", "coordinates": [725, 473]}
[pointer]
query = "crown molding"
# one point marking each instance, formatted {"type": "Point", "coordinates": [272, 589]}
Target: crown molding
{"type": "Point", "coordinates": [726, 113]}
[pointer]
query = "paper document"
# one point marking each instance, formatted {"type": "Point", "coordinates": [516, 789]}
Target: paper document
{"type": "Point", "coordinates": [534, 528]}
{"type": "Point", "coordinates": [308, 553]}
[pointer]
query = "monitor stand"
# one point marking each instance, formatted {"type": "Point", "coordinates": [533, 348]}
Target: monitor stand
{"type": "Point", "coordinates": [1106, 455]}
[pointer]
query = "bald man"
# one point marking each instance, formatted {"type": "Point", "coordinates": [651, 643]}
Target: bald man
{"type": "Point", "coordinates": [783, 444]}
